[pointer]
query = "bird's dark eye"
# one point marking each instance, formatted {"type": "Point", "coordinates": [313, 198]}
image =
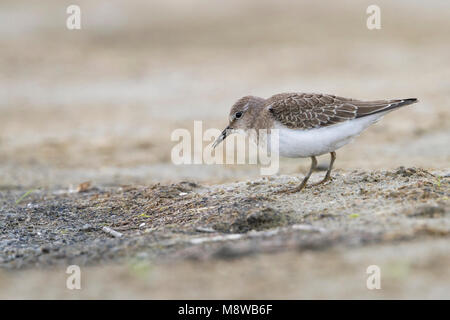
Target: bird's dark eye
{"type": "Point", "coordinates": [238, 115]}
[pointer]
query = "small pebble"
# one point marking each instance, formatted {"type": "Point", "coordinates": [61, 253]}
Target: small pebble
{"type": "Point", "coordinates": [86, 227]}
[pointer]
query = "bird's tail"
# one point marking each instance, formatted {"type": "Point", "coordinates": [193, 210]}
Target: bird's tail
{"type": "Point", "coordinates": [367, 108]}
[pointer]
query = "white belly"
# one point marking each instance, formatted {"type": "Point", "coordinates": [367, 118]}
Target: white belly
{"type": "Point", "coordinates": [295, 143]}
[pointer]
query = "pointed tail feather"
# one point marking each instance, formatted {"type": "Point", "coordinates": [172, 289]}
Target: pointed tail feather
{"type": "Point", "coordinates": [369, 108]}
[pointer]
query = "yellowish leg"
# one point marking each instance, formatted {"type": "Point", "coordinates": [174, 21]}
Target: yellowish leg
{"type": "Point", "coordinates": [305, 180]}
{"type": "Point", "coordinates": [328, 174]}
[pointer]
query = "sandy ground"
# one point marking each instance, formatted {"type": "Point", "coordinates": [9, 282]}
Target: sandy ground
{"type": "Point", "coordinates": [99, 105]}
{"type": "Point", "coordinates": [240, 240]}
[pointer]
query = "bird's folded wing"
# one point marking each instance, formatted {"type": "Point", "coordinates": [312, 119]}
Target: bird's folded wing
{"type": "Point", "coordinates": [307, 111]}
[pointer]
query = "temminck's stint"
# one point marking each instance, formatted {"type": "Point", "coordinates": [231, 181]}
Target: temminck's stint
{"type": "Point", "coordinates": [309, 124]}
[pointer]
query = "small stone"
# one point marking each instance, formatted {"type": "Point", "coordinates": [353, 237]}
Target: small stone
{"type": "Point", "coordinates": [205, 229]}
{"type": "Point", "coordinates": [45, 249]}
{"type": "Point", "coordinates": [86, 227]}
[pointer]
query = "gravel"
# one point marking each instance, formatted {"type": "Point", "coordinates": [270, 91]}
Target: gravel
{"type": "Point", "coordinates": [50, 227]}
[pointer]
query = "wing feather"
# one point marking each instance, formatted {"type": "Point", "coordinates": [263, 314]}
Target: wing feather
{"type": "Point", "coordinates": [309, 110]}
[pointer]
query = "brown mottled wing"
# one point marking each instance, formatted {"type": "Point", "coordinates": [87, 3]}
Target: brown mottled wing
{"type": "Point", "coordinates": [307, 111]}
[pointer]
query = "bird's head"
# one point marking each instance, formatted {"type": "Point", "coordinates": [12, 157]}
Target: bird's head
{"type": "Point", "coordinates": [241, 116]}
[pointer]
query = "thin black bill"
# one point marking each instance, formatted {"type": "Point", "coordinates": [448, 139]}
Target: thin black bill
{"type": "Point", "coordinates": [222, 136]}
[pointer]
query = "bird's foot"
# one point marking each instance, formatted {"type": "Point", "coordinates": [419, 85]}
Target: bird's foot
{"type": "Point", "coordinates": [325, 180]}
{"type": "Point", "coordinates": [292, 190]}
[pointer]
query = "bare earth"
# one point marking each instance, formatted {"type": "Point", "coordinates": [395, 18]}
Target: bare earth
{"type": "Point", "coordinates": [99, 105]}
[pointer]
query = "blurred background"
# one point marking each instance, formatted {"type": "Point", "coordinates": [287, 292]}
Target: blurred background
{"type": "Point", "coordinates": [100, 103]}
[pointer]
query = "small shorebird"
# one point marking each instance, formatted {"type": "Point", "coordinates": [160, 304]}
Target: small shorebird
{"type": "Point", "coordinates": [309, 124]}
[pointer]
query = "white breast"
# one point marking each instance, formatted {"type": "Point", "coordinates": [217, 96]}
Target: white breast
{"type": "Point", "coordinates": [296, 143]}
